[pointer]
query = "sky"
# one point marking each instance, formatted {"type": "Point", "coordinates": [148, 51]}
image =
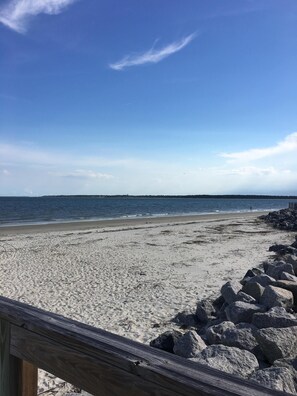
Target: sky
{"type": "Point", "coordinates": [148, 97]}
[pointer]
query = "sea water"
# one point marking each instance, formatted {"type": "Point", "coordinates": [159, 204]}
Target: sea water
{"type": "Point", "coordinates": [32, 210]}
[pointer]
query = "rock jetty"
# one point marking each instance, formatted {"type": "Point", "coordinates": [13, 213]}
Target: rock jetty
{"type": "Point", "coordinates": [284, 219]}
{"type": "Point", "coordinates": [250, 328]}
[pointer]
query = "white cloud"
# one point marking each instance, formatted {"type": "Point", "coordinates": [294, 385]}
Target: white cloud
{"type": "Point", "coordinates": [288, 145]}
{"type": "Point", "coordinates": [152, 55]}
{"type": "Point", "coordinates": [16, 14]}
{"type": "Point", "coordinates": [33, 156]}
{"type": "Point", "coordinates": [253, 171]}
{"type": "Point", "coordinates": [5, 172]}
{"type": "Point", "coordinates": [47, 171]}
{"type": "Point", "coordinates": [84, 174]}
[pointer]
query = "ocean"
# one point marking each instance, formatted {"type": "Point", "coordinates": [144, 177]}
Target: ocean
{"type": "Point", "coordinates": [50, 209]}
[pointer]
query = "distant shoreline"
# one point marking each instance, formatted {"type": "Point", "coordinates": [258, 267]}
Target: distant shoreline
{"type": "Point", "coordinates": [203, 196]}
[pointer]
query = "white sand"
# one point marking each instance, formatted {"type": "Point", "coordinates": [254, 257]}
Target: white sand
{"type": "Point", "coordinates": [129, 279]}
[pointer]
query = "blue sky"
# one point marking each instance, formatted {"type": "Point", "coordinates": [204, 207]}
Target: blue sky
{"type": "Point", "coordinates": [148, 97]}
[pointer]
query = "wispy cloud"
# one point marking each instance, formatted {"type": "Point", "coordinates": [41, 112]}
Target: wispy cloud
{"type": "Point", "coordinates": [254, 171]}
{"type": "Point", "coordinates": [152, 55]}
{"type": "Point", "coordinates": [289, 144]}
{"type": "Point", "coordinates": [12, 154]}
{"type": "Point", "coordinates": [84, 174]}
{"type": "Point", "coordinates": [16, 14]}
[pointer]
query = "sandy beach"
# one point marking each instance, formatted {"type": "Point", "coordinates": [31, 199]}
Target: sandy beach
{"type": "Point", "coordinates": [130, 277]}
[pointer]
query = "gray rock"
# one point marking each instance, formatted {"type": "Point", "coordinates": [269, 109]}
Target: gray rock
{"type": "Point", "coordinates": [229, 291]}
{"type": "Point", "coordinates": [242, 338]}
{"type": "Point", "coordinates": [277, 343]}
{"type": "Point", "coordinates": [275, 270]}
{"type": "Point", "coordinates": [291, 260]}
{"type": "Point", "coordinates": [263, 280]}
{"type": "Point", "coordinates": [189, 345]}
{"type": "Point", "coordinates": [289, 277]}
{"type": "Point", "coordinates": [290, 364]}
{"type": "Point", "coordinates": [242, 312]}
{"type": "Point", "coordinates": [275, 317]}
{"type": "Point", "coordinates": [250, 274]}
{"type": "Point", "coordinates": [278, 378]}
{"type": "Point", "coordinates": [218, 302]}
{"type": "Point", "coordinates": [185, 318]}
{"type": "Point", "coordinates": [271, 264]}
{"type": "Point", "coordinates": [205, 311]}
{"type": "Point", "coordinates": [277, 247]}
{"type": "Point", "coordinates": [288, 285]}
{"type": "Point", "coordinates": [221, 314]}
{"type": "Point", "coordinates": [253, 289]}
{"type": "Point", "coordinates": [276, 297]}
{"type": "Point", "coordinates": [241, 296]}
{"type": "Point", "coordinates": [166, 341]}
{"type": "Point", "coordinates": [214, 333]}
{"type": "Point", "coordinates": [228, 359]}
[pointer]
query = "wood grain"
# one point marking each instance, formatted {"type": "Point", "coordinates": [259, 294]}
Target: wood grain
{"type": "Point", "coordinates": [28, 378]}
{"type": "Point", "coordinates": [9, 365]}
{"type": "Point", "coordinates": [104, 363]}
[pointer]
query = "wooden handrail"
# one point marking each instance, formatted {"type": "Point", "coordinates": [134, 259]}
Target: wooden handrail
{"type": "Point", "coordinates": [99, 362]}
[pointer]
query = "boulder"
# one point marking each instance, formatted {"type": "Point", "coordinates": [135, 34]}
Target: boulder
{"type": "Point", "coordinates": [277, 248]}
{"type": "Point", "coordinates": [205, 311]}
{"type": "Point", "coordinates": [185, 318]}
{"type": "Point", "coordinates": [166, 341]}
{"type": "Point", "coordinates": [291, 260]}
{"type": "Point", "coordinates": [275, 270]}
{"type": "Point", "coordinates": [290, 364]}
{"type": "Point", "coordinates": [228, 359]}
{"type": "Point", "coordinates": [189, 345]}
{"type": "Point", "coordinates": [242, 337]}
{"type": "Point", "coordinates": [218, 302]}
{"type": "Point", "coordinates": [242, 312]}
{"type": "Point", "coordinates": [278, 378]}
{"type": "Point", "coordinates": [214, 333]}
{"type": "Point", "coordinates": [275, 317]}
{"type": "Point", "coordinates": [263, 280]}
{"type": "Point", "coordinates": [294, 244]}
{"type": "Point", "coordinates": [288, 285]}
{"type": "Point", "coordinates": [253, 289]}
{"type": "Point", "coordinates": [276, 297]}
{"type": "Point", "coordinates": [241, 296]}
{"type": "Point", "coordinates": [229, 291]}
{"type": "Point", "coordinates": [287, 276]}
{"type": "Point", "coordinates": [277, 343]}
{"type": "Point", "coordinates": [250, 274]}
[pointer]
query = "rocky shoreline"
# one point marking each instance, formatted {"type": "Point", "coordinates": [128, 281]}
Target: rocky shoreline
{"type": "Point", "coordinates": [250, 328]}
{"type": "Point", "coordinates": [284, 219]}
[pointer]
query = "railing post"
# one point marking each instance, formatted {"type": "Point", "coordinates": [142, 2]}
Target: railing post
{"type": "Point", "coordinates": [9, 371]}
{"type": "Point", "coordinates": [17, 377]}
{"type": "Point", "coordinates": [29, 378]}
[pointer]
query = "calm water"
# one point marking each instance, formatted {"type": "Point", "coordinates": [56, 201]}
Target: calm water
{"type": "Point", "coordinates": [27, 210]}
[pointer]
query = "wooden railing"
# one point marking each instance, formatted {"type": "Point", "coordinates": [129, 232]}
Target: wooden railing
{"type": "Point", "coordinates": [99, 362]}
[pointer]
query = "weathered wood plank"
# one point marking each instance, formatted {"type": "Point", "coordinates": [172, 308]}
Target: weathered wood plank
{"type": "Point", "coordinates": [4, 358]}
{"type": "Point", "coordinates": [9, 365]}
{"type": "Point", "coordinates": [86, 372]}
{"type": "Point", "coordinates": [28, 378]}
{"type": "Point", "coordinates": [104, 363]}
